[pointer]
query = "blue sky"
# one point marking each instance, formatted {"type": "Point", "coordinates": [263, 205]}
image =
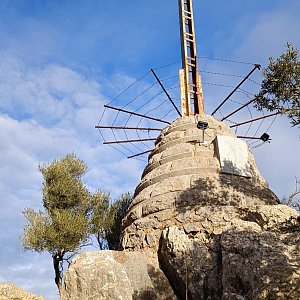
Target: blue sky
{"type": "Point", "coordinates": [61, 61]}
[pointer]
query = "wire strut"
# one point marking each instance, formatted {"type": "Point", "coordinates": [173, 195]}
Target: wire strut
{"type": "Point", "coordinates": [256, 66]}
{"type": "Point", "coordinates": [156, 77]}
{"type": "Point", "coordinates": [257, 119]}
{"type": "Point", "coordinates": [136, 114]}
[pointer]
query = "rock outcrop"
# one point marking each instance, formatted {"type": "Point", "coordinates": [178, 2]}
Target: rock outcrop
{"type": "Point", "coordinates": [213, 233]}
{"type": "Point", "coordinates": [9, 291]}
{"type": "Point", "coordinates": [240, 263]}
{"type": "Point", "coordinates": [114, 275]}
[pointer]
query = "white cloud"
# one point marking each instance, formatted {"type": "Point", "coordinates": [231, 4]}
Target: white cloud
{"type": "Point", "coordinates": [47, 112]}
{"type": "Point", "coordinates": [271, 32]}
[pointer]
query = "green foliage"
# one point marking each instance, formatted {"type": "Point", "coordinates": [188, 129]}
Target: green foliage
{"type": "Point", "coordinates": [35, 230]}
{"type": "Point", "coordinates": [62, 231]}
{"type": "Point", "coordinates": [102, 218]}
{"type": "Point", "coordinates": [64, 225]}
{"type": "Point", "coordinates": [120, 208]}
{"type": "Point", "coordinates": [63, 187]}
{"type": "Point", "coordinates": [106, 219]}
{"type": "Point", "coordinates": [280, 89]}
{"type": "Point", "coordinates": [71, 214]}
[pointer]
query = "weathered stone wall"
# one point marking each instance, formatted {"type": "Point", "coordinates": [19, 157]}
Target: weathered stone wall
{"type": "Point", "coordinates": [183, 186]}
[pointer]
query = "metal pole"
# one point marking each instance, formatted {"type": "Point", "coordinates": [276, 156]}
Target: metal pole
{"type": "Point", "coordinates": [139, 154]}
{"type": "Point", "coordinates": [256, 66]}
{"type": "Point", "coordinates": [165, 91]}
{"type": "Point", "coordinates": [240, 108]}
{"type": "Point", "coordinates": [250, 137]}
{"type": "Point", "coordinates": [128, 128]}
{"type": "Point", "coordinates": [136, 114]}
{"type": "Point", "coordinates": [129, 141]}
{"type": "Point", "coordinates": [253, 120]}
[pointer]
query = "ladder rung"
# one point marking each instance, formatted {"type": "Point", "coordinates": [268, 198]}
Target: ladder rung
{"type": "Point", "coordinates": [189, 33]}
{"type": "Point", "coordinates": [188, 17]}
{"type": "Point", "coordinates": [190, 58]}
{"type": "Point", "coordinates": [187, 12]}
{"type": "Point", "coordinates": [189, 64]}
{"type": "Point", "coordinates": [189, 40]}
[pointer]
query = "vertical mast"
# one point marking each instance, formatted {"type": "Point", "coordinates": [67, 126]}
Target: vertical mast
{"type": "Point", "coordinates": [190, 80]}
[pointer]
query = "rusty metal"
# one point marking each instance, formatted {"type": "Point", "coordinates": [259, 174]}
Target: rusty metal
{"type": "Point", "coordinates": [139, 154]}
{"type": "Point", "coordinates": [136, 114]}
{"type": "Point", "coordinates": [128, 128]}
{"type": "Point", "coordinates": [191, 86]}
{"type": "Point", "coordinates": [165, 91]}
{"type": "Point", "coordinates": [256, 66]}
{"type": "Point", "coordinates": [129, 141]}
{"type": "Point", "coordinates": [257, 119]}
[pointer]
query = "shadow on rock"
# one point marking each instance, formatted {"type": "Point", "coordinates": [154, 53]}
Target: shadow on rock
{"type": "Point", "coordinates": [225, 190]}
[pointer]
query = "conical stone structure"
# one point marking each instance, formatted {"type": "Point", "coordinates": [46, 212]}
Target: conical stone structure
{"type": "Point", "coordinates": [203, 225]}
{"type": "Point", "coordinates": [183, 185]}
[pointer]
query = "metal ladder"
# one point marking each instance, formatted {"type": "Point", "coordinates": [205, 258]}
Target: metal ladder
{"type": "Point", "coordinates": [190, 80]}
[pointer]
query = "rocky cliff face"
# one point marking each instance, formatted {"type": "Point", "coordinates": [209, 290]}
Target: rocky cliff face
{"type": "Point", "coordinates": [9, 291]}
{"type": "Point", "coordinates": [207, 232]}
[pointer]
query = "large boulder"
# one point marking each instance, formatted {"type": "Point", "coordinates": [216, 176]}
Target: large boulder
{"type": "Point", "coordinates": [9, 291]}
{"type": "Point", "coordinates": [262, 265]}
{"type": "Point", "coordinates": [242, 262]}
{"type": "Point", "coordinates": [115, 275]}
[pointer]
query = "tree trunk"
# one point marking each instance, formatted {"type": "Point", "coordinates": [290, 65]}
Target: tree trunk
{"type": "Point", "coordinates": [57, 258]}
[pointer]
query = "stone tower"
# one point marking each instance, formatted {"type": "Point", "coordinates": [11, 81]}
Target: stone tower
{"type": "Point", "coordinates": [185, 185]}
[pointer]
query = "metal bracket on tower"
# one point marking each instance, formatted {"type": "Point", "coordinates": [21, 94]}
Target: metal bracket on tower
{"type": "Point", "coordinates": [190, 79]}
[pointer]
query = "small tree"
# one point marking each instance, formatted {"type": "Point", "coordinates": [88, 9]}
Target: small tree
{"type": "Point", "coordinates": [102, 218]}
{"type": "Point", "coordinates": [120, 209]}
{"type": "Point", "coordinates": [280, 89]}
{"type": "Point", "coordinates": [63, 228]}
{"type": "Point", "coordinates": [106, 219]}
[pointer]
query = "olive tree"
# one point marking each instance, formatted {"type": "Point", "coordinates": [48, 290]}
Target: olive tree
{"type": "Point", "coordinates": [62, 228]}
{"type": "Point", "coordinates": [280, 89]}
{"type": "Point", "coordinates": [102, 218]}
{"type": "Point", "coordinates": [106, 219]}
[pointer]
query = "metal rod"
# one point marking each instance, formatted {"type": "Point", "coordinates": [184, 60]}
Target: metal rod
{"type": "Point", "coordinates": [128, 128]}
{"type": "Point", "coordinates": [139, 154]}
{"type": "Point", "coordinates": [256, 66]}
{"type": "Point", "coordinates": [251, 137]}
{"type": "Point", "coordinates": [253, 120]}
{"type": "Point", "coordinates": [136, 114]}
{"type": "Point", "coordinates": [129, 141]}
{"type": "Point", "coordinates": [240, 108]}
{"type": "Point", "coordinates": [156, 77]}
